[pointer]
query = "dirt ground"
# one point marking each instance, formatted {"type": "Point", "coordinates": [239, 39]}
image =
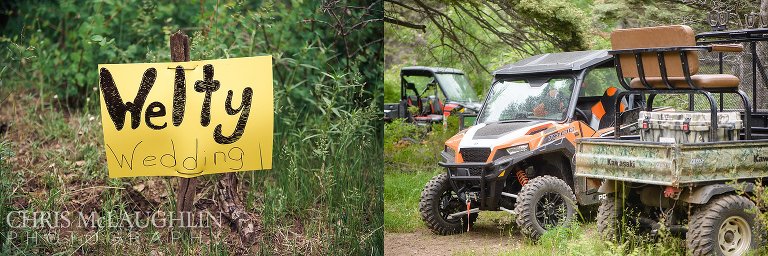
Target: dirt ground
{"type": "Point", "coordinates": [484, 239]}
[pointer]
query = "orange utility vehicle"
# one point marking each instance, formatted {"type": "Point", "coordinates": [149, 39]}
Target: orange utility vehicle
{"type": "Point", "coordinates": [517, 156]}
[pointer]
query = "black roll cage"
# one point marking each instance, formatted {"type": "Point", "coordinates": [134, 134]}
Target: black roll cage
{"type": "Point", "coordinates": [424, 72]}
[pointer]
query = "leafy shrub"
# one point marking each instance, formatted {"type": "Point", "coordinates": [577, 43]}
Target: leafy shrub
{"type": "Point", "coordinates": [411, 147]}
{"type": "Point", "coordinates": [56, 45]}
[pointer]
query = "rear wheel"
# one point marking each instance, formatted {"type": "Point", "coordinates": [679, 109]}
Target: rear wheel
{"type": "Point", "coordinates": [610, 222]}
{"type": "Point", "coordinates": [438, 201]}
{"type": "Point", "coordinates": [724, 226]}
{"type": "Point", "coordinates": [544, 202]}
{"type": "Point", "coordinates": [619, 215]}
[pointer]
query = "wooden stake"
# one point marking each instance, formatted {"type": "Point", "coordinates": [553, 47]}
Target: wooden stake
{"type": "Point", "coordinates": [229, 203]}
{"type": "Point", "coordinates": [185, 195]}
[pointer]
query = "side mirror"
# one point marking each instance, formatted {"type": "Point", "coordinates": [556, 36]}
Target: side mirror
{"type": "Point", "coordinates": [466, 120]}
{"type": "Point", "coordinates": [410, 86]}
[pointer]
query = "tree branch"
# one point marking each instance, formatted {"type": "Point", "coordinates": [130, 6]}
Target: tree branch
{"type": "Point", "coordinates": [406, 24]}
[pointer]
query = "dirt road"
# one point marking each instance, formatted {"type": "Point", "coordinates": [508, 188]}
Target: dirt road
{"type": "Point", "coordinates": [485, 239]}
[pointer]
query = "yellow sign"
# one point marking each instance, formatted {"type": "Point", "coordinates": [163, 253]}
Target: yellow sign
{"type": "Point", "coordinates": [187, 118]}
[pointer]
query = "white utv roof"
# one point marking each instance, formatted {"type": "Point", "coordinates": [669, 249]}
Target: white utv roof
{"type": "Point", "coordinates": [553, 62]}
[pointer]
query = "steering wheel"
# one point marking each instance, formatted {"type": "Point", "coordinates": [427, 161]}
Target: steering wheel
{"type": "Point", "coordinates": [580, 112]}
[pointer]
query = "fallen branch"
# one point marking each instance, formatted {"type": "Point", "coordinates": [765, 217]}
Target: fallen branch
{"type": "Point", "coordinates": [232, 208]}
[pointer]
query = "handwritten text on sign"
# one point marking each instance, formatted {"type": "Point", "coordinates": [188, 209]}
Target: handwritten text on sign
{"type": "Point", "coordinates": [187, 118]}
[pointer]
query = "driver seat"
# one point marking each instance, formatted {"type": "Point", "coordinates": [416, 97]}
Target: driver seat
{"type": "Point", "coordinates": [435, 110]}
{"type": "Point", "coordinates": [435, 105]}
{"type": "Point", "coordinates": [604, 110]}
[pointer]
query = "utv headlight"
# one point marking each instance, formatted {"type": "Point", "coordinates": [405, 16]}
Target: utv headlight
{"type": "Point", "coordinates": [516, 149]}
{"type": "Point", "coordinates": [450, 151]}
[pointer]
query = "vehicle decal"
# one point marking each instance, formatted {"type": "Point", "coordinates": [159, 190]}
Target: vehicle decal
{"type": "Point", "coordinates": [559, 134]}
{"type": "Point", "coordinates": [562, 134]}
{"type": "Point", "coordinates": [697, 161]}
{"type": "Point", "coordinates": [621, 163]}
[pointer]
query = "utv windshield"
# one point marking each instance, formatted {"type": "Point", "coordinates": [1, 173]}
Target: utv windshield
{"type": "Point", "coordinates": [457, 88]}
{"type": "Point", "coordinates": [546, 98]}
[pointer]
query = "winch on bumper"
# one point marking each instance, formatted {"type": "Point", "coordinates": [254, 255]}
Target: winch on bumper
{"type": "Point", "coordinates": [490, 176]}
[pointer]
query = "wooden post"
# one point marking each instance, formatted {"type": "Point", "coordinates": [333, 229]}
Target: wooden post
{"type": "Point", "coordinates": [228, 203]}
{"type": "Point", "coordinates": [185, 195]}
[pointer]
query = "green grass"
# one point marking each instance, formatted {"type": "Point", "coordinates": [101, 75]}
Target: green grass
{"type": "Point", "coordinates": [411, 154]}
{"type": "Point", "coordinates": [401, 200]}
{"type": "Point", "coordinates": [7, 184]}
{"type": "Point", "coordinates": [327, 180]}
{"type": "Point", "coordinates": [576, 240]}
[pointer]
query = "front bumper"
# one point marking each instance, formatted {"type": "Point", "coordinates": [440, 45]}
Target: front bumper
{"type": "Point", "coordinates": [490, 185]}
{"type": "Point", "coordinates": [483, 170]}
{"type": "Point", "coordinates": [488, 175]}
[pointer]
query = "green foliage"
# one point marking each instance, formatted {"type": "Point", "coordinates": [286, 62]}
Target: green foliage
{"type": "Point", "coordinates": [571, 240]}
{"type": "Point", "coordinates": [55, 46]}
{"type": "Point", "coordinates": [507, 32]}
{"type": "Point", "coordinates": [636, 243]}
{"type": "Point", "coordinates": [563, 22]}
{"type": "Point", "coordinates": [392, 85]}
{"type": "Point", "coordinates": [644, 13]}
{"type": "Point", "coordinates": [399, 129]}
{"type": "Point", "coordinates": [759, 195]}
{"type": "Point", "coordinates": [412, 148]}
{"type": "Point", "coordinates": [327, 170]}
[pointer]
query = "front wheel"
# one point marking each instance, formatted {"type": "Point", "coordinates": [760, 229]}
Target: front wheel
{"type": "Point", "coordinates": [438, 201]}
{"type": "Point", "coordinates": [724, 226]}
{"type": "Point", "coordinates": [544, 202]}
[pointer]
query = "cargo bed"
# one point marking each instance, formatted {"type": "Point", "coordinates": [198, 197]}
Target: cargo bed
{"type": "Point", "coordinates": [671, 164]}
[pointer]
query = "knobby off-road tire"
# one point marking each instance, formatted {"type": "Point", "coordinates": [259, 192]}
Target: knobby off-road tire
{"type": "Point", "coordinates": [437, 202]}
{"type": "Point", "coordinates": [617, 215]}
{"type": "Point", "coordinates": [609, 218]}
{"type": "Point", "coordinates": [544, 202]}
{"type": "Point", "coordinates": [724, 226]}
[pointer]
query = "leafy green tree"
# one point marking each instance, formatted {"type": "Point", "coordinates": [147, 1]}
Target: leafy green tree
{"type": "Point", "coordinates": [466, 27]}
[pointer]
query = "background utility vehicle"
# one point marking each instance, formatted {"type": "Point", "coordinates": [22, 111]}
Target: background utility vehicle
{"type": "Point", "coordinates": [518, 155]}
{"type": "Point", "coordinates": [434, 92]}
{"type": "Point", "coordinates": [690, 172]}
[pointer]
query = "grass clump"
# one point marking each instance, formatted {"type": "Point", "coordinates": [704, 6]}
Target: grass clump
{"type": "Point", "coordinates": [411, 154]}
{"type": "Point", "coordinates": [401, 194]}
{"type": "Point", "coordinates": [7, 184]}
